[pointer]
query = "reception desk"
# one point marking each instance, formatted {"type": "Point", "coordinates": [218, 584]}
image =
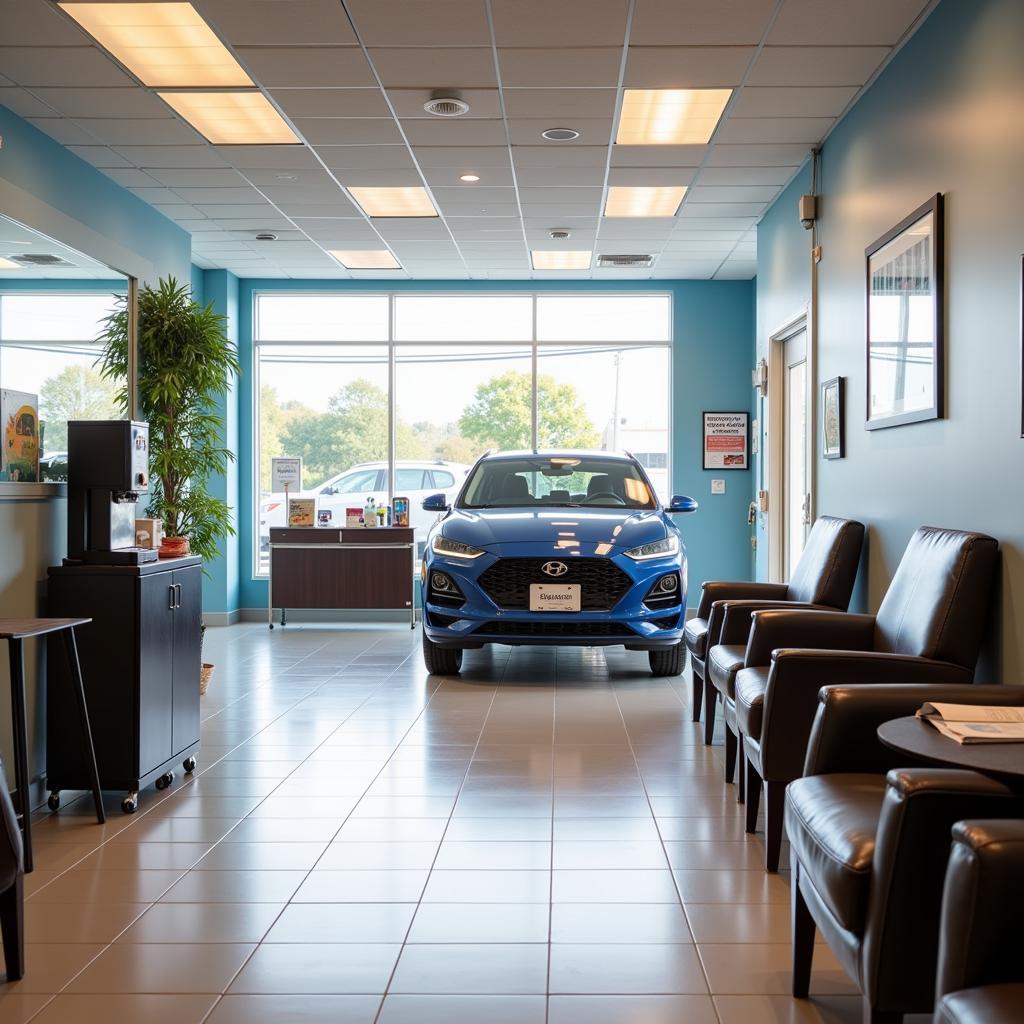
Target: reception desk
{"type": "Point", "coordinates": [341, 568]}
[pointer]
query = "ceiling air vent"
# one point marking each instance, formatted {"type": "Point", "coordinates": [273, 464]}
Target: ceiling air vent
{"type": "Point", "coordinates": [625, 260]}
{"type": "Point", "coordinates": [40, 259]}
{"type": "Point", "coordinates": [446, 105]}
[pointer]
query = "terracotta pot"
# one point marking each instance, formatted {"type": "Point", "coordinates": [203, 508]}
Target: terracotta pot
{"type": "Point", "coordinates": [173, 547]}
{"type": "Point", "coordinates": [205, 675]}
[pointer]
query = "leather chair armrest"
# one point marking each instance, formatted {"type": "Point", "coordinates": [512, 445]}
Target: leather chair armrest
{"type": "Point", "coordinates": [732, 620]}
{"type": "Point", "coordinates": [831, 630]}
{"type": "Point", "coordinates": [844, 735]}
{"type": "Point", "coordinates": [912, 847]}
{"type": "Point", "coordinates": [726, 590]}
{"type": "Point", "coordinates": [979, 940]}
{"type": "Point", "coordinates": [796, 676]}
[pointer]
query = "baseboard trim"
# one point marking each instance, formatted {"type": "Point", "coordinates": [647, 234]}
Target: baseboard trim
{"type": "Point", "coordinates": [341, 615]}
{"type": "Point", "coordinates": [222, 618]}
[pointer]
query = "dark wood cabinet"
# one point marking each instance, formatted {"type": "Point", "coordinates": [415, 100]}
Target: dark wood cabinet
{"type": "Point", "coordinates": [140, 663]}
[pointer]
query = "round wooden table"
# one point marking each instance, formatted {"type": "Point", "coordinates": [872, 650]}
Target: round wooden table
{"type": "Point", "coordinates": [912, 735]}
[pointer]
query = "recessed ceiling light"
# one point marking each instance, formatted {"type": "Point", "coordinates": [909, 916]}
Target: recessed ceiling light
{"type": "Point", "coordinates": [9, 264]}
{"type": "Point", "coordinates": [643, 200]}
{"type": "Point", "coordinates": [286, 177]}
{"type": "Point", "coordinates": [444, 104]}
{"type": "Point", "coordinates": [366, 259]}
{"type": "Point", "coordinates": [670, 117]}
{"type": "Point", "coordinates": [560, 134]}
{"type": "Point", "coordinates": [561, 259]}
{"type": "Point", "coordinates": [404, 201]}
{"type": "Point", "coordinates": [469, 177]}
{"type": "Point", "coordinates": [232, 118]}
{"type": "Point", "coordinates": [162, 44]}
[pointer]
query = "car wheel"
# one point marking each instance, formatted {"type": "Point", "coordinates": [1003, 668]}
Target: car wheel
{"type": "Point", "coordinates": [441, 661]}
{"type": "Point", "coordinates": [669, 661]}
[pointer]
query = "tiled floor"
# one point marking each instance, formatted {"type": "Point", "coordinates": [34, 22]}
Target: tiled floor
{"type": "Point", "coordinates": [545, 839]}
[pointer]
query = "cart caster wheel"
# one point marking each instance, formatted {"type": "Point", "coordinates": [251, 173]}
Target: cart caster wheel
{"type": "Point", "coordinates": [271, 625]}
{"type": "Point", "coordinates": [53, 801]}
{"type": "Point", "coordinates": [165, 780]}
{"type": "Point", "coordinates": [130, 803]}
{"type": "Point", "coordinates": [189, 764]}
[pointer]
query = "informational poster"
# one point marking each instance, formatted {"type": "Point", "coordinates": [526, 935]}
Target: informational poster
{"type": "Point", "coordinates": [20, 418]}
{"type": "Point", "coordinates": [726, 436]}
{"type": "Point", "coordinates": [285, 474]}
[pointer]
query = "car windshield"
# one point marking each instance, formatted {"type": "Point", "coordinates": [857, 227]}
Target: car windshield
{"type": "Point", "coordinates": [557, 480]}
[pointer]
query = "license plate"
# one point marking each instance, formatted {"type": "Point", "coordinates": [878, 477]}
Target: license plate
{"type": "Point", "coordinates": [555, 597]}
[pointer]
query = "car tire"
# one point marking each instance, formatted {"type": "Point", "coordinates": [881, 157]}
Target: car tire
{"type": "Point", "coordinates": [441, 661]}
{"type": "Point", "coordinates": [669, 661]}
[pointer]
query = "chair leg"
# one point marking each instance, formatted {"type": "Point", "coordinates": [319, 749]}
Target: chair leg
{"type": "Point", "coordinates": [730, 754]}
{"type": "Point", "coordinates": [710, 707]}
{"type": "Point", "coordinates": [697, 695]}
{"type": "Point", "coordinates": [753, 795]}
{"type": "Point", "coordinates": [12, 924]}
{"type": "Point", "coordinates": [19, 731]}
{"type": "Point", "coordinates": [873, 1016]}
{"type": "Point", "coordinates": [774, 811]}
{"type": "Point", "coordinates": [803, 941]}
{"type": "Point", "coordinates": [741, 777]}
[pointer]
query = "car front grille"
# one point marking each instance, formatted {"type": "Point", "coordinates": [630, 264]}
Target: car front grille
{"type": "Point", "coordinates": [546, 627]}
{"type": "Point", "coordinates": [602, 582]}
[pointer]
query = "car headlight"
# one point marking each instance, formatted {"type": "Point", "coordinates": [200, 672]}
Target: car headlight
{"type": "Point", "coordinates": [656, 549]}
{"type": "Point", "coordinates": [442, 545]}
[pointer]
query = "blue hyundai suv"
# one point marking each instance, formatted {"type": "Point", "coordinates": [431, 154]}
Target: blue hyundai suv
{"type": "Point", "coordinates": [555, 547]}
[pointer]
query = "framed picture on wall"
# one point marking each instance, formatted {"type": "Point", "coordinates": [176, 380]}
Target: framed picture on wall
{"type": "Point", "coordinates": [905, 337]}
{"type": "Point", "coordinates": [833, 419]}
{"type": "Point", "coordinates": [726, 440]}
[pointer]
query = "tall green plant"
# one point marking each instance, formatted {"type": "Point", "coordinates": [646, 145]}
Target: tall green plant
{"type": "Point", "coordinates": [184, 365]}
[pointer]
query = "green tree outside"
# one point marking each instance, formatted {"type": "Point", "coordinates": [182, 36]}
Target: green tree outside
{"type": "Point", "coordinates": [76, 393]}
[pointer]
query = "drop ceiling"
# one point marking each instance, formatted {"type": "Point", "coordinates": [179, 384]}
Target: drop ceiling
{"type": "Point", "coordinates": [351, 77]}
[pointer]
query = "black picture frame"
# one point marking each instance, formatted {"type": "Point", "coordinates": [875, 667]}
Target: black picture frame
{"type": "Point", "coordinates": [833, 418]}
{"type": "Point", "coordinates": [726, 461]}
{"type": "Point", "coordinates": [904, 273]}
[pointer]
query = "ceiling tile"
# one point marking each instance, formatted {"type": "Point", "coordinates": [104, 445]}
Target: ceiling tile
{"type": "Point", "coordinates": [468, 157]}
{"type": "Point", "coordinates": [838, 22]}
{"type": "Point", "coordinates": [567, 23]}
{"type": "Point", "coordinates": [60, 66]}
{"type": "Point", "coordinates": [408, 103]}
{"type": "Point", "coordinates": [697, 210]}
{"type": "Point", "coordinates": [100, 156]}
{"type": "Point", "coordinates": [554, 154]}
{"type": "Point", "coordinates": [278, 157]}
{"type": "Point", "coordinates": [411, 227]}
{"type": "Point", "coordinates": [659, 156]}
{"type": "Point", "coordinates": [736, 271]}
{"type": "Point", "coordinates": [746, 175]}
{"type": "Point", "coordinates": [310, 177]}
{"type": "Point", "coordinates": [270, 218]}
{"type": "Point", "coordinates": [66, 132]}
{"type": "Point", "coordinates": [332, 102]}
{"type": "Point", "coordinates": [335, 207]}
{"type": "Point", "coordinates": [348, 131]}
{"type": "Point", "coordinates": [306, 67]}
{"type": "Point", "coordinates": [816, 65]}
{"type": "Point", "coordinates": [807, 130]}
{"type": "Point", "coordinates": [699, 23]}
{"type": "Point", "coordinates": [686, 67]}
{"type": "Point", "coordinates": [757, 156]}
{"type": "Point", "coordinates": [135, 102]}
{"type": "Point", "coordinates": [130, 177]}
{"type": "Point", "coordinates": [288, 196]}
{"type": "Point", "coordinates": [651, 175]}
{"type": "Point", "coordinates": [172, 156]}
{"type": "Point", "coordinates": [732, 194]}
{"type": "Point", "coordinates": [549, 69]}
{"type": "Point", "coordinates": [199, 195]}
{"type": "Point", "coordinates": [357, 176]}
{"type": "Point", "coordinates": [593, 132]}
{"type": "Point", "coordinates": [38, 24]}
{"type": "Point", "coordinates": [490, 176]}
{"type": "Point", "coordinates": [24, 104]}
{"type": "Point", "coordinates": [475, 194]}
{"type": "Point", "coordinates": [560, 175]}
{"type": "Point", "coordinates": [280, 22]}
{"type": "Point", "coordinates": [826, 101]}
{"type": "Point", "coordinates": [212, 177]}
{"type": "Point", "coordinates": [249, 211]}
{"type": "Point", "coordinates": [391, 158]}
{"type": "Point", "coordinates": [135, 131]}
{"type": "Point", "coordinates": [435, 68]}
{"type": "Point", "coordinates": [156, 195]}
{"type": "Point", "coordinates": [454, 132]}
{"type": "Point", "coordinates": [437, 23]}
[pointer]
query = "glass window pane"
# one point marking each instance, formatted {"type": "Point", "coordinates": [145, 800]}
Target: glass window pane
{"type": "Point", "coordinates": [321, 317]}
{"type": "Point", "coordinates": [463, 318]}
{"type": "Point", "coordinates": [50, 317]}
{"type": "Point", "coordinates": [604, 318]}
{"type": "Point", "coordinates": [409, 479]}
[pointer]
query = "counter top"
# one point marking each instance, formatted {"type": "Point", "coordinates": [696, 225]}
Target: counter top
{"type": "Point", "coordinates": [18, 491]}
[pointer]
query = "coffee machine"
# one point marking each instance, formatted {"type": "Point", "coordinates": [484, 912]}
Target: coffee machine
{"type": "Point", "coordinates": [108, 469]}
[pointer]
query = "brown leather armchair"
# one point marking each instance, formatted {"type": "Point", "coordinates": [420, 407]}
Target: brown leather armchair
{"type": "Point", "coordinates": [928, 629]}
{"type": "Point", "coordinates": [12, 896]}
{"type": "Point", "coordinates": [870, 841]}
{"type": "Point", "coordinates": [823, 578]}
{"type": "Point", "coordinates": [980, 973]}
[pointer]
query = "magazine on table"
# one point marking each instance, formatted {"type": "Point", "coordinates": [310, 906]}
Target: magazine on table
{"type": "Point", "coordinates": [975, 723]}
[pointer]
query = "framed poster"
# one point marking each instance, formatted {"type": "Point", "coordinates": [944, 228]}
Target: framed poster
{"type": "Point", "coordinates": [905, 337]}
{"type": "Point", "coordinates": [833, 419]}
{"type": "Point", "coordinates": [726, 440]}
{"type": "Point", "coordinates": [19, 414]}
{"type": "Point", "coordinates": [285, 474]}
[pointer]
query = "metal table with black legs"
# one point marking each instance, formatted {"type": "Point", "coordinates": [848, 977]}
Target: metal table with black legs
{"type": "Point", "coordinates": [16, 632]}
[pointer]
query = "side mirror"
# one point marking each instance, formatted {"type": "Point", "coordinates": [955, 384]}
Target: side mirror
{"type": "Point", "coordinates": [435, 503]}
{"type": "Point", "coordinates": [681, 504]}
{"type": "Point", "coordinates": [328, 492]}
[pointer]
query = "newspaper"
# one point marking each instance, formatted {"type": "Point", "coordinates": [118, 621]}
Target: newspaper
{"type": "Point", "coordinates": [976, 723]}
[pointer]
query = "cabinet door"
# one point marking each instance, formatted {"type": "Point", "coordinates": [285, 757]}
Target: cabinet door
{"type": "Point", "coordinates": [156, 669]}
{"type": "Point", "coordinates": [187, 656]}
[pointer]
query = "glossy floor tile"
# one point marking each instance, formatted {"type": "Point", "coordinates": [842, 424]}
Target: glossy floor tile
{"type": "Point", "coordinates": [542, 840]}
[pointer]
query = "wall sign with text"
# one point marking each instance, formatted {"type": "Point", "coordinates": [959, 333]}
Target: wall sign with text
{"type": "Point", "coordinates": [726, 440]}
{"type": "Point", "coordinates": [285, 474]}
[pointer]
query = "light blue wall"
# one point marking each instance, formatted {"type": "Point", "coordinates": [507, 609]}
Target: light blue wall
{"type": "Point", "coordinates": [945, 116]}
{"type": "Point", "coordinates": [712, 356]}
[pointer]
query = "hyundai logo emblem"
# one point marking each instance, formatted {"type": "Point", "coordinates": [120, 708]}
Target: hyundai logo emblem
{"type": "Point", "coordinates": [554, 568]}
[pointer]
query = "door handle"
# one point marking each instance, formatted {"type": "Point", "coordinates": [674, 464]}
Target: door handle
{"type": "Point", "coordinates": [177, 587]}
{"type": "Point", "coordinates": [170, 589]}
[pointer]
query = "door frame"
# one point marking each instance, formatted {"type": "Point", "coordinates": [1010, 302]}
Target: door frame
{"type": "Point", "coordinates": [776, 441]}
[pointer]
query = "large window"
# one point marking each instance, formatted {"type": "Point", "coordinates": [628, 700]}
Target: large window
{"type": "Point", "coordinates": [386, 395]}
{"type": "Point", "coordinates": [48, 348]}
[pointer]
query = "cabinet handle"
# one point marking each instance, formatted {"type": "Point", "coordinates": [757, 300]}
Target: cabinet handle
{"type": "Point", "coordinates": [171, 599]}
{"type": "Point", "coordinates": [177, 587]}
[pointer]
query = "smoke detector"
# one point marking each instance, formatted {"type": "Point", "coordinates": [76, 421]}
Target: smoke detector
{"type": "Point", "coordinates": [446, 104]}
{"type": "Point", "coordinates": [559, 233]}
{"type": "Point", "coordinates": [621, 260]}
{"type": "Point", "coordinates": [560, 134]}
{"type": "Point", "coordinates": [266, 236]}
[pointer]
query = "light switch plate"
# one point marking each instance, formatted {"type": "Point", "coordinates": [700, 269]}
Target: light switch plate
{"type": "Point", "coordinates": [718, 487]}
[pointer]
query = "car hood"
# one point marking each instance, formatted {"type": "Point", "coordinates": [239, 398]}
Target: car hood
{"type": "Point", "coordinates": [499, 526]}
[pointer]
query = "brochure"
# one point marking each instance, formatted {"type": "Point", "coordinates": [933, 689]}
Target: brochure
{"type": "Point", "coordinates": [301, 511]}
{"type": "Point", "coordinates": [976, 723]}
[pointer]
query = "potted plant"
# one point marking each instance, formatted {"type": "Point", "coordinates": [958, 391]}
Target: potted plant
{"type": "Point", "coordinates": [185, 362]}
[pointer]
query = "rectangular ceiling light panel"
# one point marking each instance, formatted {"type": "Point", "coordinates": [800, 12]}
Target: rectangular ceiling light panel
{"type": "Point", "coordinates": [232, 118]}
{"type": "Point", "coordinates": [643, 200]}
{"type": "Point", "coordinates": [6, 264]}
{"type": "Point", "coordinates": [366, 259]}
{"type": "Point", "coordinates": [670, 117]}
{"type": "Point", "coordinates": [561, 259]}
{"type": "Point", "coordinates": [406, 201]}
{"type": "Point", "coordinates": [165, 45]}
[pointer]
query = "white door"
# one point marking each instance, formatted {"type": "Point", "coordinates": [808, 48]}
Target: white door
{"type": "Point", "coordinates": [795, 452]}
